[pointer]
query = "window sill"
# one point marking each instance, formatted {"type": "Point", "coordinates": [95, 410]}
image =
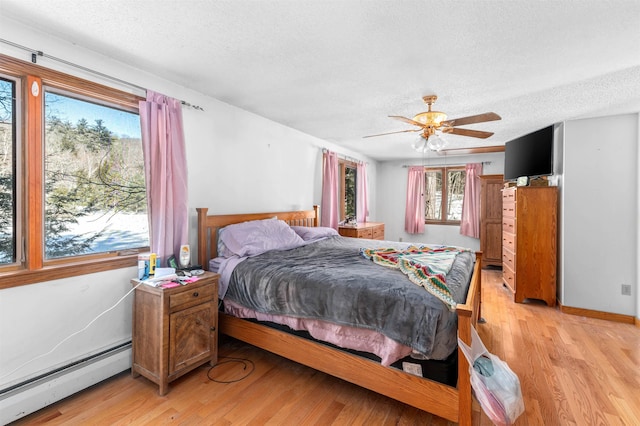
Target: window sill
{"type": "Point", "coordinates": [433, 222]}
{"type": "Point", "coordinates": [54, 272]}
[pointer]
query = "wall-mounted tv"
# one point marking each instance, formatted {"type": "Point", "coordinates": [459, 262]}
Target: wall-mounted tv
{"type": "Point", "coordinates": [529, 155]}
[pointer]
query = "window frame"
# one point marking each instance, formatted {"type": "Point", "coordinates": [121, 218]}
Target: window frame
{"type": "Point", "coordinates": [445, 195]}
{"type": "Point", "coordinates": [32, 266]}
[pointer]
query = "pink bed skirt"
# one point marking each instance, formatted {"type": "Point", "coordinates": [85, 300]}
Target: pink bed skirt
{"type": "Point", "coordinates": [360, 339]}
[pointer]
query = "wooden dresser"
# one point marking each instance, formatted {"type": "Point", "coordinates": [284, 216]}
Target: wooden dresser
{"type": "Point", "coordinates": [174, 329]}
{"type": "Point", "coordinates": [369, 230]}
{"type": "Point", "coordinates": [491, 219]}
{"type": "Point", "coordinates": [529, 241]}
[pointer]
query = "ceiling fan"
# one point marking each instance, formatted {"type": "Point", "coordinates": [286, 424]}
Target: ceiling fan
{"type": "Point", "coordinates": [432, 124]}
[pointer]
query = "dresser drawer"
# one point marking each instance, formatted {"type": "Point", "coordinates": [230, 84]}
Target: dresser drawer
{"type": "Point", "coordinates": [377, 233]}
{"type": "Point", "coordinates": [509, 241]}
{"type": "Point", "coordinates": [365, 233]}
{"type": "Point", "coordinates": [509, 278]}
{"type": "Point", "coordinates": [509, 225]}
{"type": "Point", "coordinates": [509, 259]}
{"type": "Point", "coordinates": [191, 296]}
{"type": "Point", "coordinates": [509, 194]}
{"type": "Point", "coordinates": [508, 209]}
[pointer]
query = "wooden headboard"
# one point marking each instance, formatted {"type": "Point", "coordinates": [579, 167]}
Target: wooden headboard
{"type": "Point", "coordinates": [208, 227]}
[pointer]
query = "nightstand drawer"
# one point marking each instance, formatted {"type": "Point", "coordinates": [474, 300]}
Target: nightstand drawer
{"type": "Point", "coordinates": [191, 297]}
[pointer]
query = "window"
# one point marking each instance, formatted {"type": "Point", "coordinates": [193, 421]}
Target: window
{"type": "Point", "coordinates": [348, 173]}
{"type": "Point", "coordinates": [8, 187]}
{"type": "Point", "coordinates": [72, 184]}
{"type": "Point", "coordinates": [444, 193]}
{"type": "Point", "coordinates": [95, 198]}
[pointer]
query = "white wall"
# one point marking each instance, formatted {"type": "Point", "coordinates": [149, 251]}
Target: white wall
{"type": "Point", "coordinates": [600, 213]}
{"type": "Point", "coordinates": [238, 162]}
{"type": "Point", "coordinates": [392, 189]}
{"type": "Point", "coordinates": [557, 179]}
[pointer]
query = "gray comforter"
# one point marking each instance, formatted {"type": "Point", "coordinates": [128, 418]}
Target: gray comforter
{"type": "Point", "coordinates": [331, 281]}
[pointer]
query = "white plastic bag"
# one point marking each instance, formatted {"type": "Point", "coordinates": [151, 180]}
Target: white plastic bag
{"type": "Point", "coordinates": [495, 385]}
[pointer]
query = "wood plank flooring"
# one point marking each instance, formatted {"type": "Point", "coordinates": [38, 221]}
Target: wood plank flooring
{"type": "Point", "coordinates": [573, 371]}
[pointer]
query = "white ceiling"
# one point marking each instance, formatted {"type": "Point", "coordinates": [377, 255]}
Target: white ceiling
{"type": "Point", "coordinates": [337, 69]}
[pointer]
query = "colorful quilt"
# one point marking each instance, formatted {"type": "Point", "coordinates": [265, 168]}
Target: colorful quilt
{"type": "Point", "coordinates": [424, 266]}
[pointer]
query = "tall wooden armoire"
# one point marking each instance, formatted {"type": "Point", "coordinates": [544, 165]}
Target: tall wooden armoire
{"type": "Point", "coordinates": [491, 219]}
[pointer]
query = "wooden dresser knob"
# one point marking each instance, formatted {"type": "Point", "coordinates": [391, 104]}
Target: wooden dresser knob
{"type": "Point", "coordinates": [196, 294]}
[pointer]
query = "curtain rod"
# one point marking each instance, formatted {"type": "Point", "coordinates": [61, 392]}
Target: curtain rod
{"type": "Point", "coordinates": [344, 157]}
{"type": "Point", "coordinates": [36, 53]}
{"type": "Point", "coordinates": [484, 163]}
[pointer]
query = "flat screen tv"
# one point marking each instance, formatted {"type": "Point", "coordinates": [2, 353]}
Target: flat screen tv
{"type": "Point", "coordinates": [529, 155]}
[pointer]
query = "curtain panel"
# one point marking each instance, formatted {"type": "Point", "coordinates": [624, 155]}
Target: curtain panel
{"type": "Point", "coordinates": [362, 198]}
{"type": "Point", "coordinates": [166, 173]}
{"type": "Point", "coordinates": [470, 221]}
{"type": "Point", "coordinates": [329, 207]}
{"type": "Point", "coordinates": [414, 212]}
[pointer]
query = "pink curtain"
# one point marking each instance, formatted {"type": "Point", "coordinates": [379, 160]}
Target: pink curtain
{"type": "Point", "coordinates": [329, 207]}
{"type": "Point", "coordinates": [470, 222]}
{"type": "Point", "coordinates": [414, 213]}
{"type": "Point", "coordinates": [166, 173]}
{"type": "Point", "coordinates": [362, 199]}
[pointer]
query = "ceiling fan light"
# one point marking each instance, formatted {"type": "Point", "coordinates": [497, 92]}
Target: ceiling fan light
{"type": "Point", "coordinates": [436, 142]}
{"type": "Point", "coordinates": [420, 144]}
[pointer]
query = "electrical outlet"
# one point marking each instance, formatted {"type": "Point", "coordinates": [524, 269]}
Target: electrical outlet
{"type": "Point", "coordinates": [626, 289]}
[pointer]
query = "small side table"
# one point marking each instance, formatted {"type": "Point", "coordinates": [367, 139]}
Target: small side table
{"type": "Point", "coordinates": [174, 330]}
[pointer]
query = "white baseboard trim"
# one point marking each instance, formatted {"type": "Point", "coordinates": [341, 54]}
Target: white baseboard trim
{"type": "Point", "coordinates": [33, 396]}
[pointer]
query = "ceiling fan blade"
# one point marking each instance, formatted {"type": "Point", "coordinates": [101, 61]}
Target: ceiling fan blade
{"type": "Point", "coordinates": [468, 132]}
{"type": "Point", "coordinates": [480, 118]}
{"type": "Point", "coordinates": [408, 120]}
{"type": "Point", "coordinates": [391, 133]}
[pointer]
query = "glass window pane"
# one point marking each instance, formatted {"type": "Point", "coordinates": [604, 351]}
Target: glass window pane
{"type": "Point", "coordinates": [350, 191]}
{"type": "Point", "coordinates": [7, 172]}
{"type": "Point", "coordinates": [433, 195]}
{"type": "Point", "coordinates": [455, 194]}
{"type": "Point", "coordinates": [95, 197]}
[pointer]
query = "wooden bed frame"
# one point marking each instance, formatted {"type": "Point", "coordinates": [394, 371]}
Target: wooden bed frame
{"type": "Point", "coordinates": [451, 403]}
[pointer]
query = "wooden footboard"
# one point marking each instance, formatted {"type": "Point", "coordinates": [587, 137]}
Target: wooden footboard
{"type": "Point", "coordinates": [468, 315]}
{"type": "Point", "coordinates": [451, 403]}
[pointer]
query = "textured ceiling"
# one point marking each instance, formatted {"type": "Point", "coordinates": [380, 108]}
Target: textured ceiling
{"type": "Point", "coordinates": [337, 69]}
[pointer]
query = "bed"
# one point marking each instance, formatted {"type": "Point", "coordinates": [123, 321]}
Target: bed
{"type": "Point", "coordinates": [450, 402]}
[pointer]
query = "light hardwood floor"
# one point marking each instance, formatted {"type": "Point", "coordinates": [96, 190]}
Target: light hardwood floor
{"type": "Point", "coordinates": [573, 371]}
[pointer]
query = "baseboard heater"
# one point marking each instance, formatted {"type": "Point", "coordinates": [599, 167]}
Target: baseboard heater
{"type": "Point", "coordinates": [34, 394]}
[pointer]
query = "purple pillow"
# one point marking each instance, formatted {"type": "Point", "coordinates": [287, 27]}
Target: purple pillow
{"type": "Point", "coordinates": [314, 233]}
{"type": "Point", "coordinates": [259, 236]}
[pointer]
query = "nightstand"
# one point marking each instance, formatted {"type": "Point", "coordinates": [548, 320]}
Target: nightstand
{"type": "Point", "coordinates": [174, 329]}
